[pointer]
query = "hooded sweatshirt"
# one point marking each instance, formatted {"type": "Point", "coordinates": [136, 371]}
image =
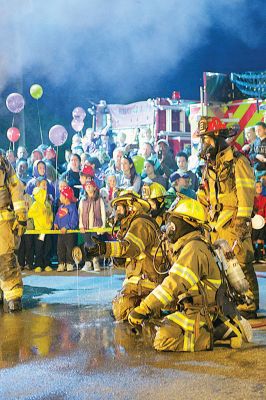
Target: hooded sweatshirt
{"type": "Point", "coordinates": [32, 182]}
{"type": "Point", "coordinates": [67, 216]}
{"type": "Point", "coordinates": [40, 211]}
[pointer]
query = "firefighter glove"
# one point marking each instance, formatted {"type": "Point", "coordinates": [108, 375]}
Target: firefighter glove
{"type": "Point", "coordinates": [19, 227]}
{"type": "Point", "coordinates": [139, 314]}
{"type": "Point", "coordinates": [99, 249]}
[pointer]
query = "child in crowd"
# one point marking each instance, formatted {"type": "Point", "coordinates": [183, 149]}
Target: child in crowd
{"type": "Point", "coordinates": [91, 215]}
{"type": "Point", "coordinates": [66, 218]}
{"type": "Point", "coordinates": [108, 193]}
{"type": "Point", "coordinates": [41, 213]}
{"type": "Point", "coordinates": [39, 170]}
{"type": "Point", "coordinates": [258, 235]}
{"type": "Point", "coordinates": [25, 251]}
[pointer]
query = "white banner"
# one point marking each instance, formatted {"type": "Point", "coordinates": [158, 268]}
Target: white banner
{"type": "Point", "coordinates": [131, 115]}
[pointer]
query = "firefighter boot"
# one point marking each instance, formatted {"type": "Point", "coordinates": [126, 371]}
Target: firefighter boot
{"type": "Point", "coordinates": [233, 331]}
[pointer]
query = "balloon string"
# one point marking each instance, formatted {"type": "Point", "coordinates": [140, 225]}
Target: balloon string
{"type": "Point", "coordinates": [56, 175]}
{"type": "Point", "coordinates": [39, 121]}
{"type": "Point", "coordinates": [13, 120]}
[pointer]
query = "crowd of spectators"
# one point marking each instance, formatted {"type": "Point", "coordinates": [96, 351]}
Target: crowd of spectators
{"type": "Point", "coordinates": [77, 193]}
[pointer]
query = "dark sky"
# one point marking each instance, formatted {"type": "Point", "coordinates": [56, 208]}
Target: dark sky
{"type": "Point", "coordinates": [120, 51]}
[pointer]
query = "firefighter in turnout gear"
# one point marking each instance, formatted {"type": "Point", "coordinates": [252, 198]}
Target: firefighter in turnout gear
{"type": "Point", "coordinates": [155, 194]}
{"type": "Point", "coordinates": [228, 195]}
{"type": "Point", "coordinates": [192, 285]}
{"type": "Point", "coordinates": [138, 243]}
{"type": "Point", "coordinates": [12, 226]}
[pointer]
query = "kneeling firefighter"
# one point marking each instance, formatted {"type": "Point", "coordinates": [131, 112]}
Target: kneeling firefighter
{"type": "Point", "coordinates": [155, 194]}
{"type": "Point", "coordinates": [12, 226]}
{"type": "Point", "coordinates": [138, 243]}
{"type": "Point", "coordinates": [192, 284]}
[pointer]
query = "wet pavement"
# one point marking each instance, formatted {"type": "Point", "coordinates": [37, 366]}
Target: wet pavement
{"type": "Point", "coordinates": [65, 345]}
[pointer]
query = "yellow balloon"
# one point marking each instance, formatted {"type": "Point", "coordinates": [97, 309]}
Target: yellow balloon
{"type": "Point", "coordinates": [36, 91]}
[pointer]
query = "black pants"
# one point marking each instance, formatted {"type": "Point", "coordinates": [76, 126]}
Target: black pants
{"type": "Point", "coordinates": [65, 244]}
{"type": "Point", "coordinates": [26, 251]}
{"type": "Point", "coordinates": [42, 251]}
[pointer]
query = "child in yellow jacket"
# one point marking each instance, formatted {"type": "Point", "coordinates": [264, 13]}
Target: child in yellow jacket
{"type": "Point", "coordinates": [42, 215]}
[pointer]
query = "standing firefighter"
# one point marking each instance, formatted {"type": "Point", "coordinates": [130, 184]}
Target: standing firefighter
{"type": "Point", "coordinates": [138, 243]}
{"type": "Point", "coordinates": [228, 196]}
{"type": "Point", "coordinates": [12, 225]}
{"type": "Point", "coordinates": [192, 286]}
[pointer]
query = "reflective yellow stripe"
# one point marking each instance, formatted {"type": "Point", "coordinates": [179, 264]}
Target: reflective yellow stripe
{"type": "Point", "coordinates": [234, 328]}
{"type": "Point", "coordinates": [13, 179]}
{"type": "Point", "coordinates": [6, 215]}
{"type": "Point", "coordinates": [115, 249]}
{"type": "Point", "coordinates": [215, 282]}
{"type": "Point", "coordinates": [244, 211]}
{"type": "Point", "coordinates": [162, 295]}
{"type": "Point", "coordinates": [189, 341]}
{"type": "Point", "coordinates": [183, 321]}
{"type": "Point", "coordinates": [19, 204]}
{"type": "Point", "coordinates": [138, 242]}
{"type": "Point", "coordinates": [185, 273]}
{"type": "Point", "coordinates": [13, 294]}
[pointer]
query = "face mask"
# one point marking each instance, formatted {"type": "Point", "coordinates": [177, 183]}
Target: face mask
{"type": "Point", "coordinates": [120, 215]}
{"type": "Point", "coordinates": [176, 228]}
{"type": "Point", "coordinates": [170, 231]}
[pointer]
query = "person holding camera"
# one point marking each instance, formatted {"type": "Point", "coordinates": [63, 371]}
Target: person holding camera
{"type": "Point", "coordinates": [166, 158]}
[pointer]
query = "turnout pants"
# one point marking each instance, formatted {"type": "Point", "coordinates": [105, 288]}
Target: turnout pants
{"type": "Point", "coordinates": [130, 297]}
{"type": "Point", "coordinates": [10, 274]}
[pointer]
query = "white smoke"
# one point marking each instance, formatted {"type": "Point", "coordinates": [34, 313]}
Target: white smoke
{"type": "Point", "coordinates": [116, 44]}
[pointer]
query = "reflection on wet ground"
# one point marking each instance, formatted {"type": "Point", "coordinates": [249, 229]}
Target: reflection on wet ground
{"type": "Point", "coordinates": [65, 342]}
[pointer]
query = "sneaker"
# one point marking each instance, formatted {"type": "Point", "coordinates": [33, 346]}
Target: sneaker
{"type": "Point", "coordinates": [69, 267]}
{"type": "Point", "coordinates": [38, 269]}
{"type": "Point", "coordinates": [261, 261]}
{"type": "Point", "coordinates": [96, 264]}
{"type": "Point", "coordinates": [87, 267]}
{"type": "Point", "coordinates": [61, 267]}
{"type": "Point", "coordinates": [48, 269]}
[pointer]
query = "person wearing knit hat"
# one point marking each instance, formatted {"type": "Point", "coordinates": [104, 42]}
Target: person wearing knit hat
{"type": "Point", "coordinates": [66, 219]}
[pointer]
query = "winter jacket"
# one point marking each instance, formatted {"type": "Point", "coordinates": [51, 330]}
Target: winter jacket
{"type": "Point", "coordinates": [40, 211]}
{"type": "Point", "coordinates": [32, 182]}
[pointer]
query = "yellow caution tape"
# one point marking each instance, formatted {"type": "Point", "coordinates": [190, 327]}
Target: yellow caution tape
{"type": "Point", "coordinates": [58, 232]}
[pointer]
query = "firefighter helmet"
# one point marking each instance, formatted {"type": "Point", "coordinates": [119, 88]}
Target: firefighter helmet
{"type": "Point", "coordinates": [153, 191]}
{"type": "Point", "coordinates": [131, 198]}
{"type": "Point", "coordinates": [208, 125]}
{"type": "Point", "coordinates": [192, 211]}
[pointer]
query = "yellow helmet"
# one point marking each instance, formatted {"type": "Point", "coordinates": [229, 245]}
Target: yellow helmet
{"type": "Point", "coordinates": [132, 199]}
{"type": "Point", "coordinates": [153, 191]}
{"type": "Point", "coordinates": [192, 211]}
